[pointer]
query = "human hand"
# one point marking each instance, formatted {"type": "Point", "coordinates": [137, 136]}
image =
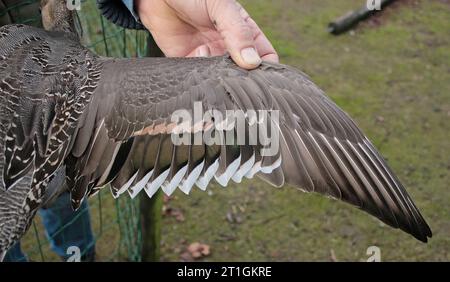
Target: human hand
{"type": "Point", "coordinates": [195, 28]}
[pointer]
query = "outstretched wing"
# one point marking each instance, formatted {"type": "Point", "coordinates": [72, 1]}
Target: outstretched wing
{"type": "Point", "coordinates": [110, 121]}
{"type": "Point", "coordinates": [125, 138]}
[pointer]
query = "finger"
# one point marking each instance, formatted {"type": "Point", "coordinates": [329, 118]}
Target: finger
{"type": "Point", "coordinates": [271, 58]}
{"type": "Point", "coordinates": [229, 19]}
{"type": "Point", "coordinates": [262, 44]}
{"type": "Point", "coordinates": [200, 51]}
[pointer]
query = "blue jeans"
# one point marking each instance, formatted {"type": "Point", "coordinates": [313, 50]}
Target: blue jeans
{"type": "Point", "coordinates": [64, 228]}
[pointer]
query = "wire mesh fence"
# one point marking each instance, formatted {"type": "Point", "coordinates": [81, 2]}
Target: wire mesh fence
{"type": "Point", "coordinates": [115, 223]}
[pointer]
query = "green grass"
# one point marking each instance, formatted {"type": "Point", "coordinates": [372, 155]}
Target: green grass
{"type": "Point", "coordinates": [393, 79]}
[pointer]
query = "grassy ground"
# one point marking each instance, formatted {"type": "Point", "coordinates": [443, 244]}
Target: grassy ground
{"type": "Point", "coordinates": [391, 75]}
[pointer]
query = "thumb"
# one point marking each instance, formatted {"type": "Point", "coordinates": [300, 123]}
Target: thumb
{"type": "Point", "coordinates": [230, 20]}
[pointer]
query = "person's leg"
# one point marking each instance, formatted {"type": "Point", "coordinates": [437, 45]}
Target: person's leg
{"type": "Point", "coordinates": [15, 254]}
{"type": "Point", "coordinates": [67, 228]}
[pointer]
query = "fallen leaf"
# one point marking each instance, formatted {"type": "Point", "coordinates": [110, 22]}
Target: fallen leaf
{"type": "Point", "coordinates": [174, 212]}
{"type": "Point", "coordinates": [197, 250]}
{"type": "Point", "coordinates": [205, 251]}
{"type": "Point", "coordinates": [194, 247]}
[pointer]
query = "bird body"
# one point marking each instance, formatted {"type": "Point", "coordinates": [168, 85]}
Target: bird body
{"type": "Point", "coordinates": [69, 114]}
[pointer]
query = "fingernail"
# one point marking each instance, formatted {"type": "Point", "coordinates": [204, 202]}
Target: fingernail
{"type": "Point", "coordinates": [203, 51]}
{"type": "Point", "coordinates": [250, 56]}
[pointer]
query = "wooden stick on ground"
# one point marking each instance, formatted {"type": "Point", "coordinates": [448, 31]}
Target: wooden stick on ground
{"type": "Point", "coordinates": [352, 18]}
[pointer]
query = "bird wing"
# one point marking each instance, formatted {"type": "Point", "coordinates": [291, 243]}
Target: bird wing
{"type": "Point", "coordinates": [110, 121]}
{"type": "Point", "coordinates": [321, 148]}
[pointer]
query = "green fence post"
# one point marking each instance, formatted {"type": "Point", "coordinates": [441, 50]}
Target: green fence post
{"type": "Point", "coordinates": [151, 209]}
{"type": "Point", "coordinates": [151, 217]}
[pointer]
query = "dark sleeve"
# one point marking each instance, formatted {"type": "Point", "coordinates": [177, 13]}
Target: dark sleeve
{"type": "Point", "coordinates": [118, 13]}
